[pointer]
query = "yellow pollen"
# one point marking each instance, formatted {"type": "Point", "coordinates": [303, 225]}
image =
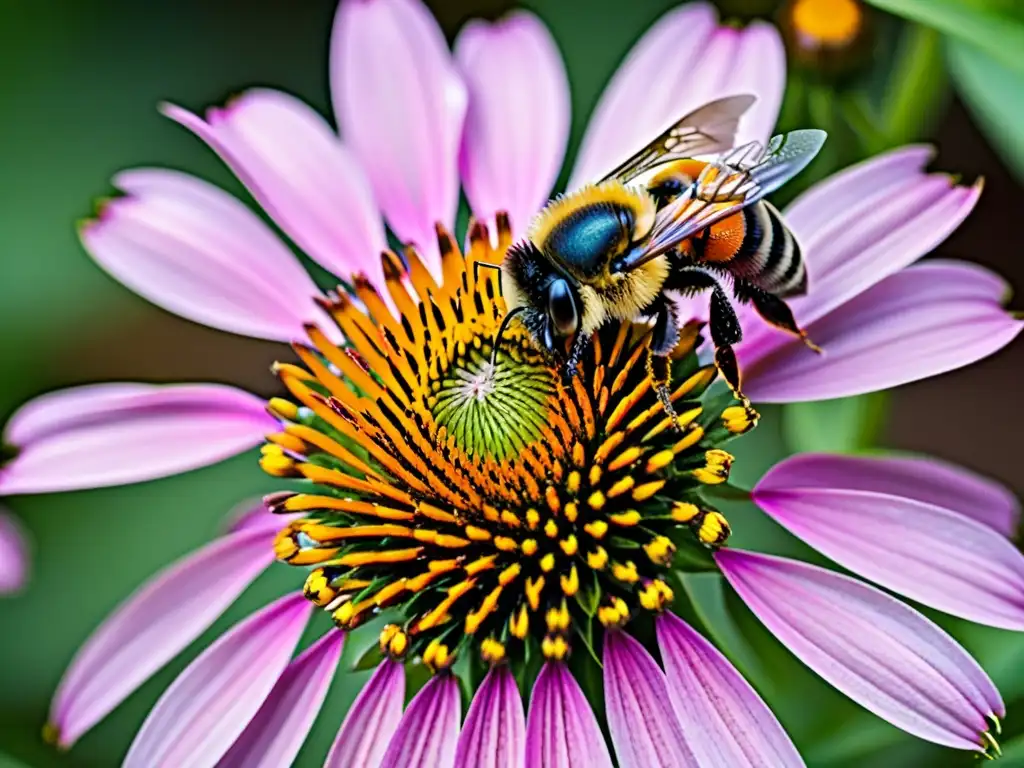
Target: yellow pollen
{"type": "Point", "coordinates": [579, 456]}
{"type": "Point", "coordinates": [508, 575]}
{"type": "Point", "coordinates": [714, 529]}
{"type": "Point", "coordinates": [530, 547]}
{"type": "Point", "coordinates": [716, 469]}
{"type": "Point", "coordinates": [656, 595]}
{"type": "Point", "coordinates": [624, 459]}
{"type": "Point", "coordinates": [547, 563]}
{"type": "Point", "coordinates": [684, 512]}
{"type": "Point", "coordinates": [660, 460]}
{"type": "Point", "coordinates": [483, 564]}
{"type": "Point", "coordinates": [625, 572]}
{"type": "Point", "coordinates": [571, 583]}
{"type": "Point", "coordinates": [645, 491]}
{"type": "Point", "coordinates": [555, 648]}
{"type": "Point", "coordinates": [572, 483]}
{"type": "Point", "coordinates": [615, 614]}
{"type": "Point", "coordinates": [492, 651]}
{"type": "Point", "coordinates": [505, 544]}
{"type": "Point", "coordinates": [533, 589]}
{"type": "Point", "coordinates": [477, 534]}
{"type": "Point", "coordinates": [628, 518]}
{"type": "Point", "coordinates": [830, 22]}
{"type": "Point", "coordinates": [532, 518]}
{"type": "Point", "coordinates": [739, 419]}
{"type": "Point", "coordinates": [318, 589]}
{"type": "Point", "coordinates": [519, 624]}
{"type": "Point", "coordinates": [288, 442]}
{"type": "Point", "coordinates": [551, 496]}
{"type": "Point", "coordinates": [551, 529]}
{"type": "Point", "coordinates": [436, 656]}
{"type": "Point", "coordinates": [621, 486]}
{"type": "Point", "coordinates": [283, 409]}
{"type": "Point", "coordinates": [508, 518]}
{"type": "Point", "coordinates": [660, 550]}
{"type": "Point", "coordinates": [597, 529]}
{"type": "Point", "coordinates": [571, 511]}
{"type": "Point", "coordinates": [558, 618]}
{"type": "Point", "coordinates": [597, 559]}
{"type": "Point", "coordinates": [569, 545]}
{"type": "Point", "coordinates": [595, 475]}
{"type": "Point", "coordinates": [596, 500]}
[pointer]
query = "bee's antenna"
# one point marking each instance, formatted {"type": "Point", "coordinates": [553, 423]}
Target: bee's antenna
{"type": "Point", "coordinates": [486, 264]}
{"type": "Point", "coordinates": [501, 329]}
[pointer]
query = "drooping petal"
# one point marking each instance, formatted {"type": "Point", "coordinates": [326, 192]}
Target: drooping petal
{"type": "Point", "coordinates": [684, 61]}
{"type": "Point", "coordinates": [400, 104]}
{"type": "Point", "coordinates": [296, 167]}
{"type": "Point", "coordinates": [429, 730]}
{"type": "Point", "coordinates": [712, 699]}
{"type": "Point", "coordinates": [14, 559]}
{"type": "Point", "coordinates": [371, 720]}
{"type": "Point", "coordinates": [923, 321]}
{"type": "Point", "coordinates": [494, 734]}
{"type": "Point", "coordinates": [561, 730]}
{"type": "Point", "coordinates": [882, 654]}
{"type": "Point", "coordinates": [926, 551]}
{"type": "Point", "coordinates": [153, 626]}
{"type": "Point", "coordinates": [644, 727]}
{"type": "Point", "coordinates": [274, 736]}
{"type": "Point", "coordinates": [511, 150]}
{"type": "Point", "coordinates": [209, 705]}
{"type": "Point", "coordinates": [923, 479]}
{"type": "Point", "coordinates": [111, 434]}
{"type": "Point", "coordinates": [194, 250]}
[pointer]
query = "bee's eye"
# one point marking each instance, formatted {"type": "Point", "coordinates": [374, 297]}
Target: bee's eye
{"type": "Point", "coordinates": [562, 308]}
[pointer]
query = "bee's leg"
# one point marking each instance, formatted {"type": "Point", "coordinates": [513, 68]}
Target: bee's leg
{"type": "Point", "coordinates": [772, 310]}
{"type": "Point", "coordinates": [579, 345]}
{"type": "Point", "coordinates": [725, 331]}
{"type": "Point", "coordinates": [663, 341]}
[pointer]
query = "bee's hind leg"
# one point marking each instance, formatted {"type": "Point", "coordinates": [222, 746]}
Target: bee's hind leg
{"type": "Point", "coordinates": [772, 310]}
{"type": "Point", "coordinates": [725, 331]}
{"type": "Point", "coordinates": [663, 341]}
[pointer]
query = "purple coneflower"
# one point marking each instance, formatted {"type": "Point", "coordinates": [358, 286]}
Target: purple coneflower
{"type": "Point", "coordinates": [502, 523]}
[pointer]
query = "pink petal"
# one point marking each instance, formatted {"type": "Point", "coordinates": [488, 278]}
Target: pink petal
{"type": "Point", "coordinates": [429, 730]}
{"type": "Point", "coordinates": [684, 61]}
{"type": "Point", "coordinates": [644, 727]}
{"type": "Point", "coordinates": [494, 734]}
{"type": "Point", "coordinates": [275, 735]}
{"type": "Point", "coordinates": [561, 730]}
{"type": "Point", "coordinates": [371, 720]}
{"type": "Point", "coordinates": [14, 557]}
{"type": "Point", "coordinates": [400, 104]}
{"type": "Point", "coordinates": [712, 699]}
{"type": "Point", "coordinates": [112, 434]}
{"type": "Point", "coordinates": [511, 149]}
{"type": "Point", "coordinates": [296, 167]}
{"type": "Point", "coordinates": [210, 704]}
{"type": "Point", "coordinates": [194, 250]}
{"type": "Point", "coordinates": [928, 552]}
{"type": "Point", "coordinates": [923, 321]}
{"type": "Point", "coordinates": [885, 656]}
{"type": "Point", "coordinates": [153, 626]}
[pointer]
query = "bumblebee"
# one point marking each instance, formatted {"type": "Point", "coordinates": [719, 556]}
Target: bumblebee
{"type": "Point", "coordinates": [616, 249]}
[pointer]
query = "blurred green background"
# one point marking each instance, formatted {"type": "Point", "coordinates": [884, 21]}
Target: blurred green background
{"type": "Point", "coordinates": [81, 81]}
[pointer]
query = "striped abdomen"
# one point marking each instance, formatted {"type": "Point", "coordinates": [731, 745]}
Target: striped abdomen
{"type": "Point", "coordinates": [757, 246]}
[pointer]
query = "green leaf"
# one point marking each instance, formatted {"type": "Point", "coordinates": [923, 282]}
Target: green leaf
{"type": "Point", "coordinates": [917, 85]}
{"type": "Point", "coordinates": [836, 426]}
{"type": "Point", "coordinates": [995, 94]}
{"type": "Point", "coordinates": [985, 25]}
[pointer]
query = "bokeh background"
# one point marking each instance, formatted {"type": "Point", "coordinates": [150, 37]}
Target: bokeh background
{"type": "Point", "coordinates": [81, 81]}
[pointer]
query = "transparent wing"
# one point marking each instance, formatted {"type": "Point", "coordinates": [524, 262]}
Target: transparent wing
{"type": "Point", "coordinates": [733, 181]}
{"type": "Point", "coordinates": [711, 128]}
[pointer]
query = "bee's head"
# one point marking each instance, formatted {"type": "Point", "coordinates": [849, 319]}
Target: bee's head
{"type": "Point", "coordinates": [582, 232]}
{"type": "Point", "coordinates": [546, 300]}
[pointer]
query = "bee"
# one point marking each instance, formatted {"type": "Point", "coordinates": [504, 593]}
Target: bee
{"type": "Point", "coordinates": [616, 249]}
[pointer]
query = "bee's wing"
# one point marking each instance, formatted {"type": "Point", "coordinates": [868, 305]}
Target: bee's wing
{"type": "Point", "coordinates": [733, 181]}
{"type": "Point", "coordinates": [711, 128]}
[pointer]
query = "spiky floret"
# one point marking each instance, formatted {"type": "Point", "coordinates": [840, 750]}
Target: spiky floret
{"type": "Point", "coordinates": [497, 507]}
